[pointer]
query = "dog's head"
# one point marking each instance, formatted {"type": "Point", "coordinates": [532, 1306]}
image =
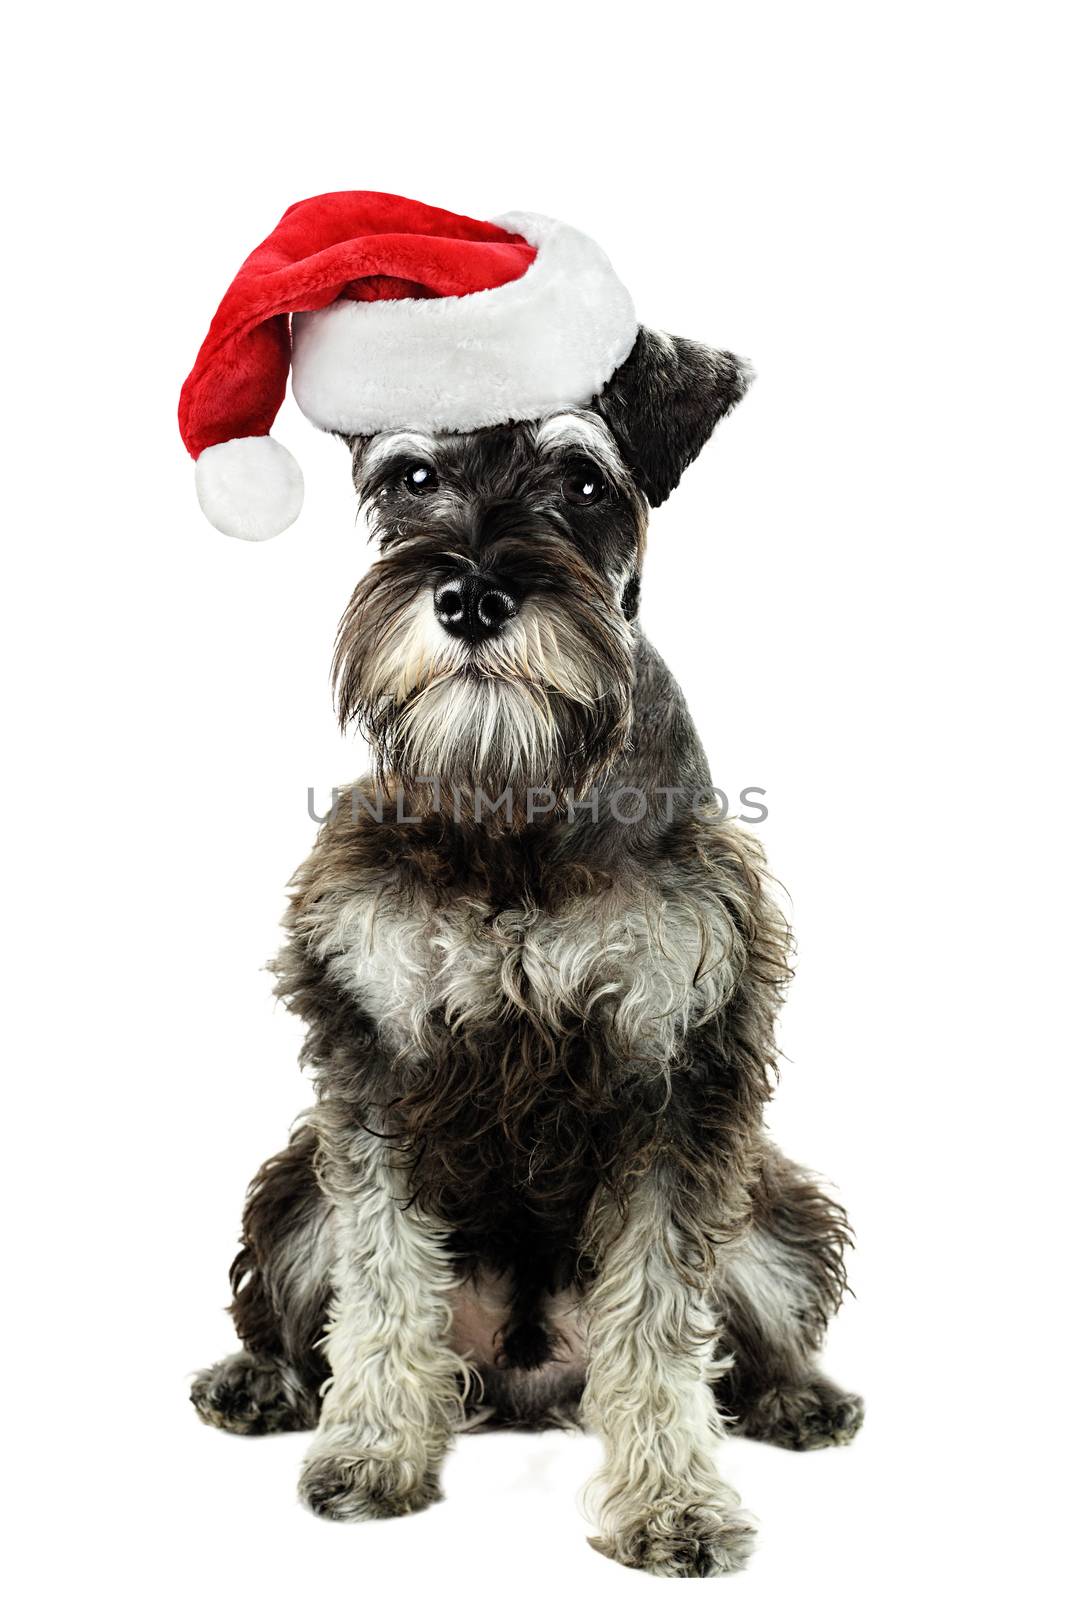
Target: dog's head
{"type": "Point", "coordinates": [491, 644]}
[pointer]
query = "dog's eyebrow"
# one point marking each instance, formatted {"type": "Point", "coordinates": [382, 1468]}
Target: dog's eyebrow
{"type": "Point", "coordinates": [405, 443]}
{"type": "Point", "coordinates": [578, 430]}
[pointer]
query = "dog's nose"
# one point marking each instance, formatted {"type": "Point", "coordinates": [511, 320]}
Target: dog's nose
{"type": "Point", "coordinates": [474, 607]}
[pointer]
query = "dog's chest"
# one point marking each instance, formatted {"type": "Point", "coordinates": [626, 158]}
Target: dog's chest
{"type": "Point", "coordinates": [638, 964]}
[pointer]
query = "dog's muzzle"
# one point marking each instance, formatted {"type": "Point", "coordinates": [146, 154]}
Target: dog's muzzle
{"type": "Point", "coordinates": [473, 607]}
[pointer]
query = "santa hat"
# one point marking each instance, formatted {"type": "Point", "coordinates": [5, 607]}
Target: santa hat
{"type": "Point", "coordinates": [403, 316]}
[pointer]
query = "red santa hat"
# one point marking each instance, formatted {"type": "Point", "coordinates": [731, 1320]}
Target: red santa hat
{"type": "Point", "coordinates": [403, 316]}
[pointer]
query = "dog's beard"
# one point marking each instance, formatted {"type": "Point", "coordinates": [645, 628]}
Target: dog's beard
{"type": "Point", "coordinates": [543, 706]}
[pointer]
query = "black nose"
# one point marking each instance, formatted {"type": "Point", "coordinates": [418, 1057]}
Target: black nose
{"type": "Point", "coordinates": [473, 607]}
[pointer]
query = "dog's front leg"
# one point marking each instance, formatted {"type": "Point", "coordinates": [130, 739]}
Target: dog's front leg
{"type": "Point", "coordinates": [396, 1390]}
{"type": "Point", "coordinates": [661, 1503]}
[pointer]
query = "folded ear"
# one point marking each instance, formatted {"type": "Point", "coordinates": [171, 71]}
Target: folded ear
{"type": "Point", "coordinates": [663, 403]}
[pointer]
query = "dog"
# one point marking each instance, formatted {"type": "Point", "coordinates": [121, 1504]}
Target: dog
{"type": "Point", "coordinates": [535, 1187]}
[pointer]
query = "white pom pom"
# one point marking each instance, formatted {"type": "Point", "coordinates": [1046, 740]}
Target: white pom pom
{"type": "Point", "coordinates": [249, 488]}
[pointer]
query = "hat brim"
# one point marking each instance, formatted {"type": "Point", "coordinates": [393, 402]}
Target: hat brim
{"type": "Point", "coordinates": [549, 339]}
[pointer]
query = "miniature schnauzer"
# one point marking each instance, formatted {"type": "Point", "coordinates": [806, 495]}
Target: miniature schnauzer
{"type": "Point", "coordinates": [535, 1186]}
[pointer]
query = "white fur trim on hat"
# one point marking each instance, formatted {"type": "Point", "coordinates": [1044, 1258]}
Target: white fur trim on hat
{"type": "Point", "coordinates": [547, 340]}
{"type": "Point", "coordinates": [249, 488]}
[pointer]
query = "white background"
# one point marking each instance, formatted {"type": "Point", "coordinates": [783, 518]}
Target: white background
{"type": "Point", "coordinates": [857, 585]}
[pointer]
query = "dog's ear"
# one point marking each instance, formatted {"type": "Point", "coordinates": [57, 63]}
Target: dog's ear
{"type": "Point", "coordinates": [355, 444]}
{"type": "Point", "coordinates": [663, 403]}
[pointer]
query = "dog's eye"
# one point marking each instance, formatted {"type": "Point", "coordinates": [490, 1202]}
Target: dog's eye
{"type": "Point", "coordinates": [420, 478]}
{"type": "Point", "coordinates": [583, 484]}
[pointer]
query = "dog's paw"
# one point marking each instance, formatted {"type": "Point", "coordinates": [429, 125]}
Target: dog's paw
{"type": "Point", "coordinates": [682, 1542]}
{"type": "Point", "coordinates": [812, 1416]}
{"type": "Point", "coordinates": [252, 1394]}
{"type": "Point", "coordinates": [343, 1485]}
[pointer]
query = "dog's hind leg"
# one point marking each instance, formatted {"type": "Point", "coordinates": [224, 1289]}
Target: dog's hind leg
{"type": "Point", "coordinates": [280, 1281]}
{"type": "Point", "coordinates": [777, 1287]}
